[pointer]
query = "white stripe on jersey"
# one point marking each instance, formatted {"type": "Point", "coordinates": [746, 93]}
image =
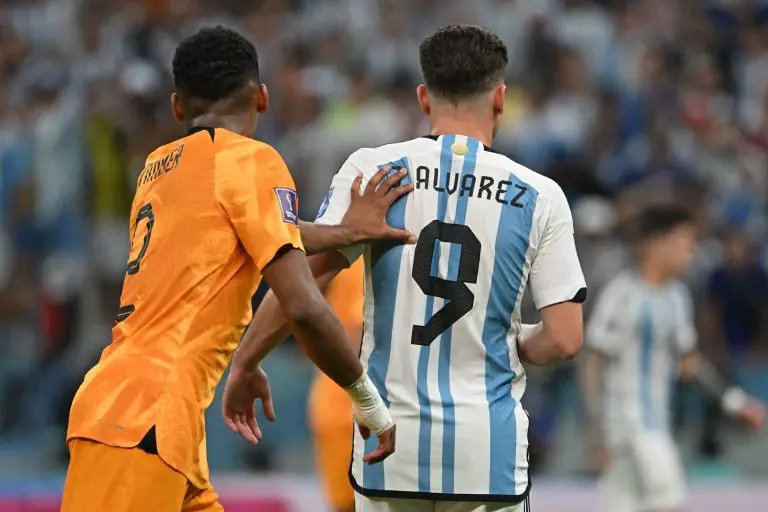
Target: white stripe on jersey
{"type": "Point", "coordinates": [441, 317]}
{"type": "Point", "coordinates": [643, 329]}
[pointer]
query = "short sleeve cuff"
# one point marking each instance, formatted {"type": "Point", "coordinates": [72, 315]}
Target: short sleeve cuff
{"type": "Point", "coordinates": [559, 294]}
{"type": "Point", "coordinates": [274, 253]}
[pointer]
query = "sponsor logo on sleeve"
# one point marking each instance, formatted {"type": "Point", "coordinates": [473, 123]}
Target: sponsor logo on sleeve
{"type": "Point", "coordinates": [289, 205]}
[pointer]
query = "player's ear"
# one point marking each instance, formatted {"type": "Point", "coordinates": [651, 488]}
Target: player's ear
{"type": "Point", "coordinates": [262, 99]}
{"type": "Point", "coordinates": [177, 109]}
{"type": "Point", "coordinates": [499, 96]}
{"type": "Point", "coordinates": [423, 96]}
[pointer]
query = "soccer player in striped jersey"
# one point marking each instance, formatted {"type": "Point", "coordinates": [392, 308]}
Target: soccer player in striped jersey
{"type": "Point", "coordinates": [443, 340]}
{"type": "Point", "coordinates": [642, 336]}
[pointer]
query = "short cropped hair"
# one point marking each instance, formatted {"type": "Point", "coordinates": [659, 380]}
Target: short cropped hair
{"type": "Point", "coordinates": [214, 63]}
{"type": "Point", "coordinates": [461, 61]}
{"type": "Point", "coordinates": [660, 220]}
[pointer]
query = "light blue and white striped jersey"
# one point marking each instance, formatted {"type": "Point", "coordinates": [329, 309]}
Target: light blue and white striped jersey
{"type": "Point", "coordinates": [442, 316]}
{"type": "Point", "coordinates": [643, 330]}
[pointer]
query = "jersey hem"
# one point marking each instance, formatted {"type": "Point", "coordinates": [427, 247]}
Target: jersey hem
{"type": "Point", "coordinates": [195, 482]}
{"type": "Point", "coordinates": [512, 499]}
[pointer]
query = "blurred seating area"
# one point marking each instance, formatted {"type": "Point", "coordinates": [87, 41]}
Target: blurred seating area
{"type": "Point", "coordinates": [623, 102]}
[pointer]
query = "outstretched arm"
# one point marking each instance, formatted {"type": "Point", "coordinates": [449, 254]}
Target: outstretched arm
{"type": "Point", "coordinates": [261, 203]}
{"type": "Point", "coordinates": [270, 325]}
{"type": "Point", "coordinates": [365, 220]}
{"type": "Point", "coordinates": [734, 400]}
{"type": "Point", "coordinates": [301, 307]}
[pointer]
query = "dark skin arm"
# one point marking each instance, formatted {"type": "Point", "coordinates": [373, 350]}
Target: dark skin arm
{"type": "Point", "coordinates": [273, 327]}
{"type": "Point", "coordinates": [365, 221]}
{"type": "Point", "coordinates": [315, 325]}
{"type": "Point", "coordinates": [295, 304]}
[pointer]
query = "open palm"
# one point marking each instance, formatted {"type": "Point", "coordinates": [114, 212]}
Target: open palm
{"type": "Point", "coordinates": [241, 391]}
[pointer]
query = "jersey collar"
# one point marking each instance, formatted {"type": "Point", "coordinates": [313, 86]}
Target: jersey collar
{"type": "Point", "coordinates": [196, 129]}
{"type": "Point", "coordinates": [435, 137]}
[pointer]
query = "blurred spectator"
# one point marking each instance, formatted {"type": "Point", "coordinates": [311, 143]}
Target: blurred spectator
{"type": "Point", "coordinates": [624, 103]}
{"type": "Point", "coordinates": [737, 299]}
{"type": "Point", "coordinates": [735, 327]}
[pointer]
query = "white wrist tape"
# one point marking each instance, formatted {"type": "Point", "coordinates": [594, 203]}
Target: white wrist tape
{"type": "Point", "coordinates": [527, 331]}
{"type": "Point", "coordinates": [368, 407]}
{"type": "Point", "coordinates": [734, 400]}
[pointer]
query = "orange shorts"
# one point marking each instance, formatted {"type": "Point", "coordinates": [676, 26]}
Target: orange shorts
{"type": "Point", "coordinates": [333, 451]}
{"type": "Point", "coordinates": [102, 477]}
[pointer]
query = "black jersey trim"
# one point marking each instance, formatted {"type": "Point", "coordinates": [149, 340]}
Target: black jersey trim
{"type": "Point", "coordinates": [512, 499]}
{"type": "Point", "coordinates": [197, 129]}
{"type": "Point", "coordinates": [581, 296]}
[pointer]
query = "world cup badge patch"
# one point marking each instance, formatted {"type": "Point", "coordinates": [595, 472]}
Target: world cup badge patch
{"type": "Point", "coordinates": [289, 205]}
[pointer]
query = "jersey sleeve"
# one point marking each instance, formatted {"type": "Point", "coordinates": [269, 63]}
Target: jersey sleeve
{"type": "Point", "coordinates": [686, 337]}
{"type": "Point", "coordinates": [607, 325]}
{"type": "Point", "coordinates": [257, 193]}
{"type": "Point", "coordinates": [556, 274]}
{"type": "Point", "coordinates": [337, 203]}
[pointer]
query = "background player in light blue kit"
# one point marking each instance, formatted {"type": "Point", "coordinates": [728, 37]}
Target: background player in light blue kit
{"type": "Point", "coordinates": [642, 336]}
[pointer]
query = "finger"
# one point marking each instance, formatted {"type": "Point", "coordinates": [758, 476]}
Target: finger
{"type": "Point", "coordinates": [253, 426]}
{"type": "Point", "coordinates": [396, 193]}
{"type": "Point", "coordinates": [391, 182]}
{"type": "Point", "coordinates": [364, 431]}
{"type": "Point", "coordinates": [385, 449]}
{"type": "Point", "coordinates": [376, 456]}
{"type": "Point", "coordinates": [373, 183]}
{"type": "Point", "coordinates": [401, 235]}
{"type": "Point", "coordinates": [269, 408]}
{"type": "Point", "coordinates": [243, 430]}
{"type": "Point", "coordinates": [356, 184]}
{"type": "Point", "coordinates": [230, 422]}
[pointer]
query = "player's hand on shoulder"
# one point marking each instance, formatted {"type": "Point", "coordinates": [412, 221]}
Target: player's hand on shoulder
{"type": "Point", "coordinates": [241, 391]}
{"type": "Point", "coordinates": [753, 414]}
{"type": "Point", "coordinates": [366, 216]}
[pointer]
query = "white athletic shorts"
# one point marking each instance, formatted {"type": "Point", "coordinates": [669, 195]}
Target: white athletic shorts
{"type": "Point", "coordinates": [645, 475]}
{"type": "Point", "coordinates": [365, 504]}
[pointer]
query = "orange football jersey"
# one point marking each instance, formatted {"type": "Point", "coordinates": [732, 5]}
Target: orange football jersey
{"type": "Point", "coordinates": [329, 405]}
{"type": "Point", "coordinates": [211, 211]}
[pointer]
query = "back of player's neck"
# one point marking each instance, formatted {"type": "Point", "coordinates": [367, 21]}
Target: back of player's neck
{"type": "Point", "coordinates": [453, 126]}
{"type": "Point", "coordinates": [235, 123]}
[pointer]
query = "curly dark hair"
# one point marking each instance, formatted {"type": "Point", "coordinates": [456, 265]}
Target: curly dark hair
{"type": "Point", "coordinates": [460, 61]}
{"type": "Point", "coordinates": [214, 63]}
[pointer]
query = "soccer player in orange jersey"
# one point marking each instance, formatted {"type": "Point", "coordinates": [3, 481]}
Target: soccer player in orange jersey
{"type": "Point", "coordinates": [330, 410]}
{"type": "Point", "coordinates": [213, 212]}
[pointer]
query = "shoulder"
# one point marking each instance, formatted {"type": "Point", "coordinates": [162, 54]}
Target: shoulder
{"type": "Point", "coordinates": [165, 149]}
{"type": "Point", "coordinates": [680, 291]}
{"type": "Point", "coordinates": [623, 284]}
{"type": "Point", "coordinates": [235, 153]}
{"type": "Point", "coordinates": [545, 187]}
{"type": "Point", "coordinates": [389, 153]}
{"type": "Point", "coordinates": [228, 143]}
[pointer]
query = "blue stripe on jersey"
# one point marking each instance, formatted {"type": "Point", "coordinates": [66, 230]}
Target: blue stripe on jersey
{"type": "Point", "coordinates": [646, 349]}
{"type": "Point", "coordinates": [444, 362]}
{"type": "Point", "coordinates": [425, 412]}
{"type": "Point", "coordinates": [385, 272]}
{"type": "Point", "coordinates": [512, 242]}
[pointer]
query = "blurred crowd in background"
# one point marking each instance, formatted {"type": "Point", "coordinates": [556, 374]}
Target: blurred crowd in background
{"type": "Point", "coordinates": [624, 103]}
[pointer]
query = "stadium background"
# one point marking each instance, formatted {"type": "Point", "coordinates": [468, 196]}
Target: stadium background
{"type": "Point", "coordinates": [623, 103]}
